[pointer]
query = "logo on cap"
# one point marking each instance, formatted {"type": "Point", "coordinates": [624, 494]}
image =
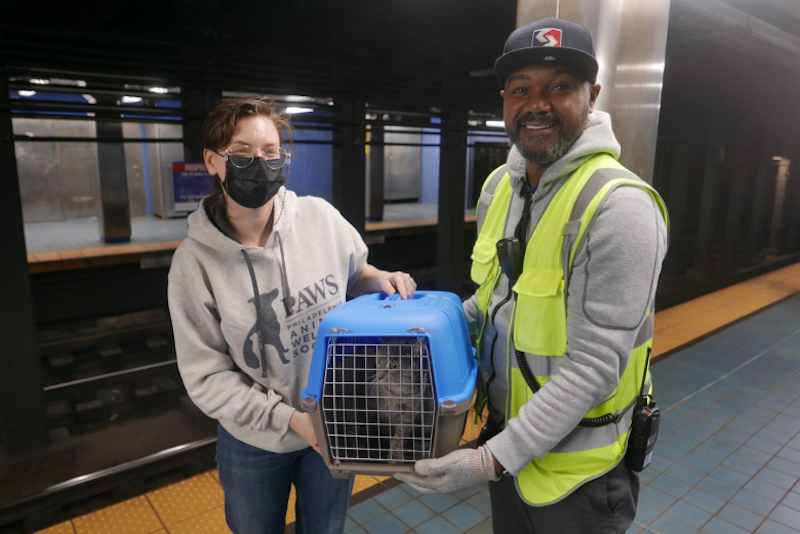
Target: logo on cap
{"type": "Point", "coordinates": [548, 37]}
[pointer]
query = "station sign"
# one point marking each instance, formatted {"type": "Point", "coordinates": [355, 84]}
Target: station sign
{"type": "Point", "coordinates": [191, 182]}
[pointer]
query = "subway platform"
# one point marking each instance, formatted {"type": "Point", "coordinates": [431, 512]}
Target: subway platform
{"type": "Point", "coordinates": [727, 377]}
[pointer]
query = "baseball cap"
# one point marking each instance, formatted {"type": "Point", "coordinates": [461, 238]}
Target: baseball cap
{"type": "Point", "coordinates": [548, 40]}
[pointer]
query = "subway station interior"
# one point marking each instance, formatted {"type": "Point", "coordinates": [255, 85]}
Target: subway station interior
{"type": "Point", "coordinates": [397, 121]}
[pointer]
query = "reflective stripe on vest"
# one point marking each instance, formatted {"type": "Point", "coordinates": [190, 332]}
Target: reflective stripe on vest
{"type": "Point", "coordinates": [546, 366]}
{"type": "Point", "coordinates": [585, 453]}
{"type": "Point", "coordinates": [487, 194]}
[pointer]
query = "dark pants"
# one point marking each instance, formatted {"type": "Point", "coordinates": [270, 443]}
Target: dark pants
{"type": "Point", "coordinates": [606, 505]}
{"type": "Point", "coordinates": [257, 485]}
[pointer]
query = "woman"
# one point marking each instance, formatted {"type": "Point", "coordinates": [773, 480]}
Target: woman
{"type": "Point", "coordinates": [247, 290]}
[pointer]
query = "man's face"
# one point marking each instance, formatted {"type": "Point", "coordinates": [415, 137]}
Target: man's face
{"type": "Point", "coordinates": [546, 109]}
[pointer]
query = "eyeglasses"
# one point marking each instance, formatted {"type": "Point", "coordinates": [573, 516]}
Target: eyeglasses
{"type": "Point", "coordinates": [242, 157]}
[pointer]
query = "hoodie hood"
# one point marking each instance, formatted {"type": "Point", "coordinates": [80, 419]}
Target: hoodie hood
{"type": "Point", "coordinates": [597, 138]}
{"type": "Point", "coordinates": [203, 230]}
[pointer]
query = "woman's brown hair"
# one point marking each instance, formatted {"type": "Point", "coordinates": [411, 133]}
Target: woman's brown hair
{"type": "Point", "coordinates": [220, 126]}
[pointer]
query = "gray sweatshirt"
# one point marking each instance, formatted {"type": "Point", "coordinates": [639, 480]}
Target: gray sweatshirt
{"type": "Point", "coordinates": [314, 252]}
{"type": "Point", "coordinates": [614, 279]}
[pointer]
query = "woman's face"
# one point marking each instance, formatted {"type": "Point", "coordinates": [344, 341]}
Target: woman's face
{"type": "Point", "coordinates": [254, 133]}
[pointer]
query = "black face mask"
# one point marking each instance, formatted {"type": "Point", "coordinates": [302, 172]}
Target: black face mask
{"type": "Point", "coordinates": [253, 186]}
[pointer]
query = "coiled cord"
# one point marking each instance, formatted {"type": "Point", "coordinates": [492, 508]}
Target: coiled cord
{"type": "Point", "coordinates": [530, 379]}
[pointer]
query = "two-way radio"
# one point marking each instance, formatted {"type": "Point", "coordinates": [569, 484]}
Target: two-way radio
{"type": "Point", "coordinates": [644, 428]}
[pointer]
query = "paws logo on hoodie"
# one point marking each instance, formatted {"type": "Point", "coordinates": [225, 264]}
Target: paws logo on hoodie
{"type": "Point", "coordinates": [271, 332]}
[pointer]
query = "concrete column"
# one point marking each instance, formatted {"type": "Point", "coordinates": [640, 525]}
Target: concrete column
{"type": "Point", "coordinates": [680, 174]}
{"type": "Point", "coordinates": [452, 188]}
{"type": "Point", "coordinates": [22, 406]}
{"type": "Point", "coordinates": [793, 176]}
{"type": "Point", "coordinates": [756, 235]}
{"type": "Point", "coordinates": [777, 208]}
{"type": "Point", "coordinates": [711, 177]}
{"type": "Point", "coordinates": [738, 198]}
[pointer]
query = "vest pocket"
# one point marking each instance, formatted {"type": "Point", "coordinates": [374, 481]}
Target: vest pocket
{"type": "Point", "coordinates": [484, 257]}
{"type": "Point", "coordinates": [540, 325]}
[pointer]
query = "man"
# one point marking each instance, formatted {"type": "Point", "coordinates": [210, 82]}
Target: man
{"type": "Point", "coordinates": [564, 343]}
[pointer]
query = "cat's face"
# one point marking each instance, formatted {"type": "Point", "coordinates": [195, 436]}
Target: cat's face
{"type": "Point", "coordinates": [394, 362]}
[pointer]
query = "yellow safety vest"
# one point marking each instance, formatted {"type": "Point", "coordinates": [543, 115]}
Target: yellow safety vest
{"type": "Point", "coordinates": [539, 320]}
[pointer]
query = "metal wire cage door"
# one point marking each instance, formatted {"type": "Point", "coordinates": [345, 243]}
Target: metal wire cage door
{"type": "Point", "coordinates": [378, 400]}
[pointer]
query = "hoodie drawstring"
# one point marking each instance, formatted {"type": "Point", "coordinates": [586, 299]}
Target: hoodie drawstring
{"type": "Point", "coordinates": [259, 322]}
{"type": "Point", "coordinates": [287, 301]}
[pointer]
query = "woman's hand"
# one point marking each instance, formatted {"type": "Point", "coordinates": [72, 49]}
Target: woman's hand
{"type": "Point", "coordinates": [397, 282]}
{"type": "Point", "coordinates": [373, 280]}
{"type": "Point", "coordinates": [301, 423]}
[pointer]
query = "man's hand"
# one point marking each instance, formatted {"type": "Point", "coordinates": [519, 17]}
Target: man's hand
{"type": "Point", "coordinates": [456, 471]}
{"type": "Point", "coordinates": [301, 423]}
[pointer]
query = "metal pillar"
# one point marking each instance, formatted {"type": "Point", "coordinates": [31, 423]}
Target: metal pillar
{"type": "Point", "coordinates": [375, 174]}
{"type": "Point", "coordinates": [452, 189]}
{"type": "Point", "coordinates": [115, 215]}
{"type": "Point", "coordinates": [22, 409]}
{"type": "Point", "coordinates": [630, 43]}
{"type": "Point", "coordinates": [349, 163]}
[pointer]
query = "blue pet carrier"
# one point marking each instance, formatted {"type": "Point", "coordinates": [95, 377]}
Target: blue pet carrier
{"type": "Point", "coordinates": [391, 382]}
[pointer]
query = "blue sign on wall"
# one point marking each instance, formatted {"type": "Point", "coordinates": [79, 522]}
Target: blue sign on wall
{"type": "Point", "coordinates": [191, 183]}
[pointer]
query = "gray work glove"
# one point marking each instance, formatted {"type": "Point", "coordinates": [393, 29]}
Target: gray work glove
{"type": "Point", "coordinates": [456, 471]}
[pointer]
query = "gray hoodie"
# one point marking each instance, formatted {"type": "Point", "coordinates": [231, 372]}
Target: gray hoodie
{"type": "Point", "coordinates": [315, 254]}
{"type": "Point", "coordinates": [614, 279]}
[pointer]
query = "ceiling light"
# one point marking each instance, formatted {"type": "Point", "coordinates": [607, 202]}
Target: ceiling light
{"type": "Point", "coordinates": [159, 90]}
{"type": "Point", "coordinates": [495, 124]}
{"type": "Point", "coordinates": [67, 81]}
{"type": "Point", "coordinates": [39, 81]}
{"type": "Point", "coordinates": [294, 110]}
{"type": "Point", "coordinates": [641, 67]}
{"type": "Point", "coordinates": [26, 93]}
{"type": "Point", "coordinates": [131, 99]}
{"type": "Point", "coordinates": [298, 98]}
{"type": "Point", "coordinates": [90, 99]}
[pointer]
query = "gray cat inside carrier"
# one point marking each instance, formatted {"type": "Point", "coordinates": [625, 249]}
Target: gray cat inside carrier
{"type": "Point", "coordinates": [379, 403]}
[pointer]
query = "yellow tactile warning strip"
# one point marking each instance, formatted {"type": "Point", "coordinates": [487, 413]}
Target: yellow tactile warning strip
{"type": "Point", "coordinates": [195, 506]}
{"type": "Point", "coordinates": [135, 516]}
{"type": "Point", "coordinates": [61, 528]}
{"type": "Point", "coordinates": [693, 320]}
{"type": "Point", "coordinates": [186, 499]}
{"type": "Point", "coordinates": [210, 522]}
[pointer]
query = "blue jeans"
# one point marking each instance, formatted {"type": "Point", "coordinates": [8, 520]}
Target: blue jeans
{"type": "Point", "coordinates": [257, 485]}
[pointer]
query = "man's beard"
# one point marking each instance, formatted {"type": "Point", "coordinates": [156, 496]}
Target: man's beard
{"type": "Point", "coordinates": [536, 153]}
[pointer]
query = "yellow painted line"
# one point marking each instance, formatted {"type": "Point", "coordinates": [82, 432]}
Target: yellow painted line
{"type": "Point", "coordinates": [691, 321]}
